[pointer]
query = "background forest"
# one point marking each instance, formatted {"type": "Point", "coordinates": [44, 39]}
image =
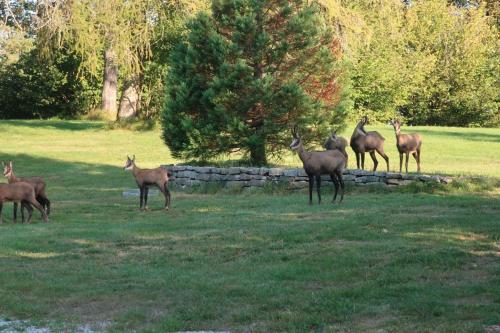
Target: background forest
{"type": "Point", "coordinates": [427, 62]}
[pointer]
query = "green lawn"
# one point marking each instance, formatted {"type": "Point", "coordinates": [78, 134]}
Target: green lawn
{"type": "Point", "coordinates": [397, 261]}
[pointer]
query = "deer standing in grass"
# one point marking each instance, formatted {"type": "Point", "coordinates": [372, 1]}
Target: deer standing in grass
{"type": "Point", "coordinates": [37, 182]}
{"type": "Point", "coordinates": [337, 142]}
{"type": "Point", "coordinates": [407, 143]}
{"type": "Point", "coordinates": [23, 193]}
{"type": "Point", "coordinates": [317, 163]}
{"type": "Point", "coordinates": [149, 177]}
{"type": "Point", "coordinates": [367, 142]}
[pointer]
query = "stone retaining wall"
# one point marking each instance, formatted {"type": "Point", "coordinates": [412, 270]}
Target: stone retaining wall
{"type": "Point", "coordinates": [185, 175]}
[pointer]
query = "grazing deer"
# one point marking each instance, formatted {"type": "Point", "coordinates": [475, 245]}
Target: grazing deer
{"type": "Point", "coordinates": [317, 163]}
{"type": "Point", "coordinates": [37, 182]}
{"type": "Point", "coordinates": [147, 177]}
{"type": "Point", "coordinates": [337, 142]}
{"type": "Point", "coordinates": [367, 142]}
{"type": "Point", "coordinates": [25, 194]}
{"type": "Point", "coordinates": [407, 143]}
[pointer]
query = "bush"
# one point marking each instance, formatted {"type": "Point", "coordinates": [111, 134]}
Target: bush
{"type": "Point", "coordinates": [31, 88]}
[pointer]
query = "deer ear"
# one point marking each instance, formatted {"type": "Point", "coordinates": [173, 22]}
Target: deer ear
{"type": "Point", "coordinates": [10, 164]}
{"type": "Point", "coordinates": [133, 158]}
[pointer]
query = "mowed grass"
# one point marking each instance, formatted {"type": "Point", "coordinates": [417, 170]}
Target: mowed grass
{"type": "Point", "coordinates": [251, 262]}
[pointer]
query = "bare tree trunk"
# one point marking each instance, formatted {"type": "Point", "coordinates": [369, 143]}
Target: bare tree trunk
{"type": "Point", "coordinates": [129, 101]}
{"type": "Point", "coordinates": [110, 86]}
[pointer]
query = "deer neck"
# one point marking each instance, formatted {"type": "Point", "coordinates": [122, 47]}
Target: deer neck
{"type": "Point", "coordinates": [135, 170]}
{"type": "Point", "coordinates": [398, 134]}
{"type": "Point", "coordinates": [303, 154]}
{"type": "Point", "coordinates": [11, 178]}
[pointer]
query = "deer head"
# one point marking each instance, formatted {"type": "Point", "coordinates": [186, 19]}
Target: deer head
{"type": "Point", "coordinates": [7, 169]}
{"type": "Point", "coordinates": [396, 124]}
{"type": "Point", "coordinates": [296, 139]}
{"type": "Point", "coordinates": [129, 164]}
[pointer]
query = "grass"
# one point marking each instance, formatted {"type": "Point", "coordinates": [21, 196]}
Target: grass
{"type": "Point", "coordinates": [402, 261]}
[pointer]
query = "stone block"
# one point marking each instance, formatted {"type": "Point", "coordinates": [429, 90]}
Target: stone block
{"type": "Point", "coordinates": [233, 170]}
{"type": "Point", "coordinates": [349, 178]}
{"type": "Point", "coordinates": [204, 177]}
{"type": "Point", "coordinates": [201, 169]}
{"type": "Point", "coordinates": [275, 171]}
{"type": "Point", "coordinates": [291, 172]}
{"type": "Point", "coordinates": [264, 171]}
{"type": "Point", "coordinates": [446, 180]}
{"type": "Point", "coordinates": [358, 172]}
{"type": "Point", "coordinates": [398, 181]}
{"type": "Point", "coordinates": [250, 171]}
{"type": "Point", "coordinates": [393, 175]}
{"type": "Point", "coordinates": [257, 182]}
{"type": "Point", "coordinates": [187, 174]}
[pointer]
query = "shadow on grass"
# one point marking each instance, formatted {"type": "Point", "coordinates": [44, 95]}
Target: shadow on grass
{"type": "Point", "coordinates": [73, 125]}
{"type": "Point", "coordinates": [470, 136]}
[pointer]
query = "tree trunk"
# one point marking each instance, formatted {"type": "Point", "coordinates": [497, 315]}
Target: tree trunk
{"type": "Point", "coordinates": [129, 101]}
{"type": "Point", "coordinates": [258, 151]}
{"type": "Point", "coordinates": [110, 86]}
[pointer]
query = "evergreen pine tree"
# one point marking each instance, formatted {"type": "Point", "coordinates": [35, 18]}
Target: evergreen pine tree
{"type": "Point", "coordinates": [246, 73]}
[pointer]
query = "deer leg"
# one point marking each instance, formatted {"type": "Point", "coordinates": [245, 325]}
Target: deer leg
{"type": "Point", "coordinates": [342, 185]}
{"type": "Point", "coordinates": [311, 184]}
{"type": "Point", "coordinates": [400, 162]}
{"type": "Point", "coordinates": [25, 204]}
{"type": "Point", "coordinates": [167, 198]}
{"type": "Point", "coordinates": [362, 161]}
{"type": "Point", "coordinates": [374, 158]}
{"type": "Point", "coordinates": [418, 160]}
{"type": "Point", "coordinates": [318, 187]}
{"type": "Point", "coordinates": [1, 207]}
{"type": "Point", "coordinates": [406, 162]}
{"type": "Point", "coordinates": [335, 185]}
{"type": "Point", "coordinates": [381, 152]}
{"type": "Point", "coordinates": [47, 206]}
{"type": "Point", "coordinates": [357, 159]}
{"type": "Point", "coordinates": [141, 196]}
{"type": "Point", "coordinates": [414, 154]}
{"type": "Point", "coordinates": [146, 191]}
{"type": "Point", "coordinates": [22, 213]}
{"type": "Point", "coordinates": [15, 212]}
{"type": "Point", "coordinates": [39, 208]}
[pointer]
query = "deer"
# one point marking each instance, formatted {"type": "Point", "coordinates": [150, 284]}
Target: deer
{"type": "Point", "coordinates": [406, 144]}
{"type": "Point", "coordinates": [367, 142]}
{"type": "Point", "coordinates": [37, 182]}
{"type": "Point", "coordinates": [317, 163]}
{"type": "Point", "coordinates": [149, 177]}
{"type": "Point", "coordinates": [23, 193]}
{"type": "Point", "coordinates": [337, 142]}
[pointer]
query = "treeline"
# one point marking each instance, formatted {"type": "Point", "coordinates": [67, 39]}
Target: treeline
{"type": "Point", "coordinates": [427, 62]}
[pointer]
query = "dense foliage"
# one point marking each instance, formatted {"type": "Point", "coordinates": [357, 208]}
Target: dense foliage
{"type": "Point", "coordinates": [427, 62]}
{"type": "Point", "coordinates": [245, 74]}
{"type": "Point", "coordinates": [30, 88]}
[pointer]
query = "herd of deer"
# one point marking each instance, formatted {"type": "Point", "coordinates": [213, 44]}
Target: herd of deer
{"type": "Point", "coordinates": [31, 191]}
{"type": "Point", "coordinates": [333, 160]}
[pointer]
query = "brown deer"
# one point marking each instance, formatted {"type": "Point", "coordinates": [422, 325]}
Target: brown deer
{"type": "Point", "coordinates": [367, 142]}
{"type": "Point", "coordinates": [23, 193]}
{"type": "Point", "coordinates": [337, 142]}
{"type": "Point", "coordinates": [37, 182]}
{"type": "Point", "coordinates": [407, 143]}
{"type": "Point", "coordinates": [317, 163]}
{"type": "Point", "coordinates": [149, 177]}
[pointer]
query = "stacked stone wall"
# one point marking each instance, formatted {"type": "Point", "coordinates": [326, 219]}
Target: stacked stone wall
{"type": "Point", "coordinates": [185, 175]}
